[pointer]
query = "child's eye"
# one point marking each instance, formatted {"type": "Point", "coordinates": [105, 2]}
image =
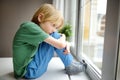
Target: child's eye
{"type": "Point", "coordinates": [54, 25]}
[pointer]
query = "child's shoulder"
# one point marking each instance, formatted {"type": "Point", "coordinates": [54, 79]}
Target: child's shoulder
{"type": "Point", "coordinates": [28, 23]}
{"type": "Point", "coordinates": [31, 26]}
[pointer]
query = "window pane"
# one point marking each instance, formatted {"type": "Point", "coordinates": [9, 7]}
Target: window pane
{"type": "Point", "coordinates": [94, 12]}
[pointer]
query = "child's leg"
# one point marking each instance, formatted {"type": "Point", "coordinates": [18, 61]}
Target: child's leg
{"type": "Point", "coordinates": [67, 59]}
{"type": "Point", "coordinates": [39, 64]}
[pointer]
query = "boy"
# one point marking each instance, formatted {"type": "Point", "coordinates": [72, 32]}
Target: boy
{"type": "Point", "coordinates": [35, 42]}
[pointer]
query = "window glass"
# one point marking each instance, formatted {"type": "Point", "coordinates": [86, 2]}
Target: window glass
{"type": "Point", "coordinates": [93, 23]}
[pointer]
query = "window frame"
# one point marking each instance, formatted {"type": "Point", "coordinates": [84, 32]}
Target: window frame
{"type": "Point", "coordinates": [111, 38]}
{"type": "Point", "coordinates": [112, 15]}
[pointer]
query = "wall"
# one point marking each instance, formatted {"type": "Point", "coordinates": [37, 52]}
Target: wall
{"type": "Point", "coordinates": [12, 14]}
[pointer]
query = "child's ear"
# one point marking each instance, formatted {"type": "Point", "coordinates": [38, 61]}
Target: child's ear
{"type": "Point", "coordinates": [40, 16]}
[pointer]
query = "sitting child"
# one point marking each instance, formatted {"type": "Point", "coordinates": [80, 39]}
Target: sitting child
{"type": "Point", "coordinates": [35, 42]}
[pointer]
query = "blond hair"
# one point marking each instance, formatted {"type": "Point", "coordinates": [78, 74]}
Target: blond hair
{"type": "Point", "coordinates": [51, 14]}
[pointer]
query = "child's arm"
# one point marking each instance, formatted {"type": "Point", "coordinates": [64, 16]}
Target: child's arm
{"type": "Point", "coordinates": [58, 43]}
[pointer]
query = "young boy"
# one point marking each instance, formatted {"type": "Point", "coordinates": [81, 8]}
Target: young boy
{"type": "Point", "coordinates": [35, 42]}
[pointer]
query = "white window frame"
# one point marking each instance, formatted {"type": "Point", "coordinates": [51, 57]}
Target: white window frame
{"type": "Point", "coordinates": [110, 55]}
{"type": "Point", "coordinates": [110, 45]}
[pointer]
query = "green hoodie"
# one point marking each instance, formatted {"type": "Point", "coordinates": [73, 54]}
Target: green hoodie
{"type": "Point", "coordinates": [25, 43]}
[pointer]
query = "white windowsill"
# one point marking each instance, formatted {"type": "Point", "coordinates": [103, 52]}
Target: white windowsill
{"type": "Point", "coordinates": [55, 71]}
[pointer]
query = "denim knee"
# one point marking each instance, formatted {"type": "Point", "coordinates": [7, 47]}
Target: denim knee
{"type": "Point", "coordinates": [55, 35]}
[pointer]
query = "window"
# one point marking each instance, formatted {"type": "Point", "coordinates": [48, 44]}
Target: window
{"type": "Point", "coordinates": [98, 37]}
{"type": "Point", "coordinates": [94, 13]}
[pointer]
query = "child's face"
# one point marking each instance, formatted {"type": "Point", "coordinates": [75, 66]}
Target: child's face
{"type": "Point", "coordinates": [48, 27]}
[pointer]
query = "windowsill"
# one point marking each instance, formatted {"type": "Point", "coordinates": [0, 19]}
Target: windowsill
{"type": "Point", "coordinates": [80, 76]}
{"type": "Point", "coordinates": [55, 71]}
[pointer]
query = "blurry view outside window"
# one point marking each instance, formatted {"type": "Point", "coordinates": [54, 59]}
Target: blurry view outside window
{"type": "Point", "coordinates": [94, 13]}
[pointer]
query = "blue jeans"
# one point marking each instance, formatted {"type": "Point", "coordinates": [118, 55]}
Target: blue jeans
{"type": "Point", "coordinates": [45, 52]}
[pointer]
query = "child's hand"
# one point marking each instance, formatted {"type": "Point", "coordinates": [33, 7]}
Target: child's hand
{"type": "Point", "coordinates": [63, 37]}
{"type": "Point", "coordinates": [67, 49]}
